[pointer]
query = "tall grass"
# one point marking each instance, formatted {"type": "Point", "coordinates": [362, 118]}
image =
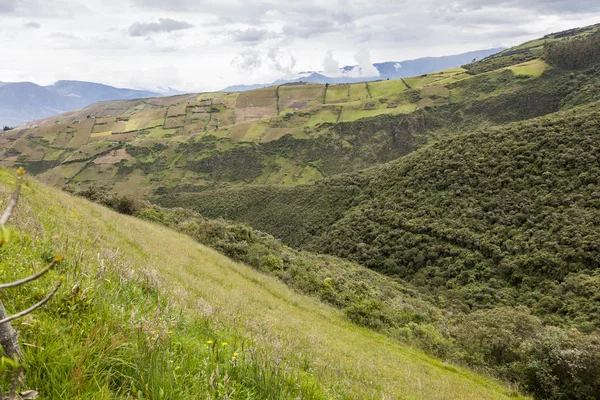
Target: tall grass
{"type": "Point", "coordinates": [147, 313]}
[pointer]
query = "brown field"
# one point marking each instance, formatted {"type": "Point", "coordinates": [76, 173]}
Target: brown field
{"type": "Point", "coordinates": [175, 122]}
{"type": "Point", "coordinates": [289, 95]}
{"type": "Point", "coordinates": [176, 110]}
{"type": "Point", "coordinates": [113, 157]}
{"type": "Point", "coordinates": [258, 98]}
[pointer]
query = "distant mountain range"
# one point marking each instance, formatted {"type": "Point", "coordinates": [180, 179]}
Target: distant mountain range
{"type": "Point", "coordinates": [387, 70]}
{"type": "Point", "coordinates": [21, 102]}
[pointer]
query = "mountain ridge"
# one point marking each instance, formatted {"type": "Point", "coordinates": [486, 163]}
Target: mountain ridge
{"type": "Point", "coordinates": [22, 102]}
{"type": "Point", "coordinates": [387, 70]}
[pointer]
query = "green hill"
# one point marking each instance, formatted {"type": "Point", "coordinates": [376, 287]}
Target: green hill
{"type": "Point", "coordinates": [517, 206]}
{"type": "Point", "coordinates": [291, 134]}
{"type": "Point", "coordinates": [148, 313]}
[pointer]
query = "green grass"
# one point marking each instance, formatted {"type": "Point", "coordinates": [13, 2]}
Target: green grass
{"type": "Point", "coordinates": [324, 115]}
{"type": "Point", "coordinates": [386, 88]}
{"type": "Point", "coordinates": [532, 68]}
{"type": "Point", "coordinates": [359, 91]}
{"type": "Point", "coordinates": [337, 93]}
{"type": "Point", "coordinates": [149, 299]}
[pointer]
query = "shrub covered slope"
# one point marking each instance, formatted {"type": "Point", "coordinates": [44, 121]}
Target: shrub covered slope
{"type": "Point", "coordinates": [501, 217]}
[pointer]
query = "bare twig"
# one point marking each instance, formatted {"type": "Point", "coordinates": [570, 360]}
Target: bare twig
{"type": "Point", "coordinates": [32, 277]}
{"type": "Point", "coordinates": [32, 308]}
{"type": "Point", "coordinates": [14, 198]}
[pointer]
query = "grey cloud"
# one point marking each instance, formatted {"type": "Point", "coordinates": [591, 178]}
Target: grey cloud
{"type": "Point", "coordinates": [542, 6]}
{"type": "Point", "coordinates": [308, 29]}
{"type": "Point", "coordinates": [43, 8]}
{"type": "Point", "coordinates": [163, 25]}
{"type": "Point", "coordinates": [249, 35]}
{"type": "Point", "coordinates": [32, 25]}
{"type": "Point", "coordinates": [7, 6]}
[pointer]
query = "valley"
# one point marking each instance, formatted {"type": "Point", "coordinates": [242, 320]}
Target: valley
{"type": "Point", "coordinates": [428, 237]}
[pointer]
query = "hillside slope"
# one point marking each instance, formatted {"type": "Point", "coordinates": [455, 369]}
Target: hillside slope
{"type": "Point", "coordinates": [141, 301]}
{"type": "Point", "coordinates": [505, 216]}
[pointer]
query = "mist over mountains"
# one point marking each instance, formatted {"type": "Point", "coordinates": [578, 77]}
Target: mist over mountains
{"type": "Point", "coordinates": [385, 70]}
{"type": "Point", "coordinates": [21, 102]}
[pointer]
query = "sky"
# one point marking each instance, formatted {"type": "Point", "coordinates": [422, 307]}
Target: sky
{"type": "Point", "coordinates": [204, 45]}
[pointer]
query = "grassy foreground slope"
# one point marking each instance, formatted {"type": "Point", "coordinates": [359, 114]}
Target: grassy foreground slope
{"type": "Point", "coordinates": [140, 302]}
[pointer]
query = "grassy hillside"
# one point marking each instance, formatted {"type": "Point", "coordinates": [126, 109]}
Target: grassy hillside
{"type": "Point", "coordinates": [148, 313]}
{"type": "Point", "coordinates": [290, 134]}
{"type": "Point", "coordinates": [508, 342]}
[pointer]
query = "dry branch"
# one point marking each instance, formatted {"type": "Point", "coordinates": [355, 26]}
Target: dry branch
{"type": "Point", "coordinates": [32, 308]}
{"type": "Point", "coordinates": [14, 199]}
{"type": "Point", "coordinates": [32, 277]}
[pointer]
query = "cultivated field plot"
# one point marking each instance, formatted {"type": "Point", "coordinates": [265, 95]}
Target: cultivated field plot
{"type": "Point", "coordinates": [532, 68]}
{"type": "Point", "coordinates": [122, 137]}
{"type": "Point", "coordinates": [177, 110]}
{"type": "Point", "coordinates": [253, 113]}
{"type": "Point", "coordinates": [149, 118]}
{"type": "Point", "coordinates": [108, 109]}
{"type": "Point", "coordinates": [266, 97]}
{"type": "Point", "coordinates": [238, 131]}
{"type": "Point", "coordinates": [227, 99]}
{"type": "Point", "coordinates": [359, 91]}
{"type": "Point", "coordinates": [295, 95]}
{"type": "Point", "coordinates": [278, 133]}
{"type": "Point", "coordinates": [80, 138]}
{"type": "Point", "coordinates": [97, 175]}
{"type": "Point", "coordinates": [418, 83]}
{"type": "Point", "coordinates": [357, 111]}
{"type": "Point", "coordinates": [325, 115]}
{"type": "Point", "coordinates": [256, 104]}
{"type": "Point", "coordinates": [28, 150]}
{"type": "Point", "coordinates": [62, 174]}
{"type": "Point", "coordinates": [435, 90]}
{"type": "Point", "coordinates": [337, 94]}
{"type": "Point", "coordinates": [103, 124]}
{"type": "Point", "coordinates": [89, 151]}
{"type": "Point", "coordinates": [175, 122]}
{"type": "Point", "coordinates": [386, 88]}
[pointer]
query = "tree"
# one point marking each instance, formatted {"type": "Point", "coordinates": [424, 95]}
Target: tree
{"type": "Point", "coordinates": [8, 336]}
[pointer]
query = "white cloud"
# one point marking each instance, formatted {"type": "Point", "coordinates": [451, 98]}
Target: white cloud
{"type": "Point", "coordinates": [365, 67]}
{"type": "Point", "coordinates": [331, 67]}
{"type": "Point", "coordinates": [237, 42]}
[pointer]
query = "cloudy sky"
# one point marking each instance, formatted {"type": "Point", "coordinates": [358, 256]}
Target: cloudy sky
{"type": "Point", "coordinates": [202, 45]}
